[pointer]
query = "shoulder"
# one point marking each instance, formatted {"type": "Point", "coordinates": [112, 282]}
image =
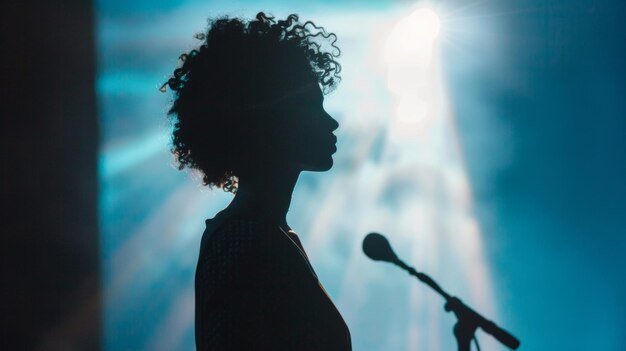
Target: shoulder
{"type": "Point", "coordinates": [236, 234]}
{"type": "Point", "coordinates": [232, 244]}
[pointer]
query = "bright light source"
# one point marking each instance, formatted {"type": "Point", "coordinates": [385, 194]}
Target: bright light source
{"type": "Point", "coordinates": [411, 40]}
{"type": "Point", "coordinates": [411, 72]}
{"type": "Point", "coordinates": [423, 24]}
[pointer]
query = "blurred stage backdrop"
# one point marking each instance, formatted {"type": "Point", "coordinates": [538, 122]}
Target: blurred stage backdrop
{"type": "Point", "coordinates": [486, 139]}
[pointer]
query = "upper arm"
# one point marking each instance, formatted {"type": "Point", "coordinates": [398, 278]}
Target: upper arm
{"type": "Point", "coordinates": [241, 296]}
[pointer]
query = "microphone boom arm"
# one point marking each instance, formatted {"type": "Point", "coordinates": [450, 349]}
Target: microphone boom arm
{"type": "Point", "coordinates": [468, 319]}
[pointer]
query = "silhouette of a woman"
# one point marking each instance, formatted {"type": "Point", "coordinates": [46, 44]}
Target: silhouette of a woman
{"type": "Point", "coordinates": [248, 114]}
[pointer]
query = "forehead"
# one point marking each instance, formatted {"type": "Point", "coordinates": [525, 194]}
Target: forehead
{"type": "Point", "coordinates": [303, 91]}
{"type": "Point", "coordinates": [309, 89]}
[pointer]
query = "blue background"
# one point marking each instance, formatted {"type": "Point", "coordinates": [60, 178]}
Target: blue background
{"type": "Point", "coordinates": [535, 91]}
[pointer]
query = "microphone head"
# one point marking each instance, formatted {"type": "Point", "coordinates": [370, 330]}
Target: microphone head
{"type": "Point", "coordinates": [377, 247]}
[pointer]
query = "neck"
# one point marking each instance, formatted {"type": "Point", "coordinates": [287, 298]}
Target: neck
{"type": "Point", "coordinates": [266, 196]}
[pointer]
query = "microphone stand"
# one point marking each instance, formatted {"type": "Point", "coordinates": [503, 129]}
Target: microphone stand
{"type": "Point", "coordinates": [468, 320]}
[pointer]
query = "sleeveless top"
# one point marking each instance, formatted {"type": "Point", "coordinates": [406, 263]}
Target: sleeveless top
{"type": "Point", "coordinates": [256, 290]}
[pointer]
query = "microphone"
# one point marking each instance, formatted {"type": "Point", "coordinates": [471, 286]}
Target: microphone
{"type": "Point", "coordinates": [377, 247]}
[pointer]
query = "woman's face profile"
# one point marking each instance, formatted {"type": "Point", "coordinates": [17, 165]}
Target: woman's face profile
{"type": "Point", "coordinates": [303, 135]}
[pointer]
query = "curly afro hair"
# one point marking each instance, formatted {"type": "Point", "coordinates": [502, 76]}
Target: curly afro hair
{"type": "Point", "coordinates": [222, 88]}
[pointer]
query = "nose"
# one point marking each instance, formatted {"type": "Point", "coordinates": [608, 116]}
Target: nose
{"type": "Point", "coordinates": [333, 122]}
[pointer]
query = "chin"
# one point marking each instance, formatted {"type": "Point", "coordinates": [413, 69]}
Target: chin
{"type": "Point", "coordinates": [320, 166]}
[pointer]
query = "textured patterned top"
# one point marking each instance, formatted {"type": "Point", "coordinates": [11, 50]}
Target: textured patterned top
{"type": "Point", "coordinates": [256, 290]}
